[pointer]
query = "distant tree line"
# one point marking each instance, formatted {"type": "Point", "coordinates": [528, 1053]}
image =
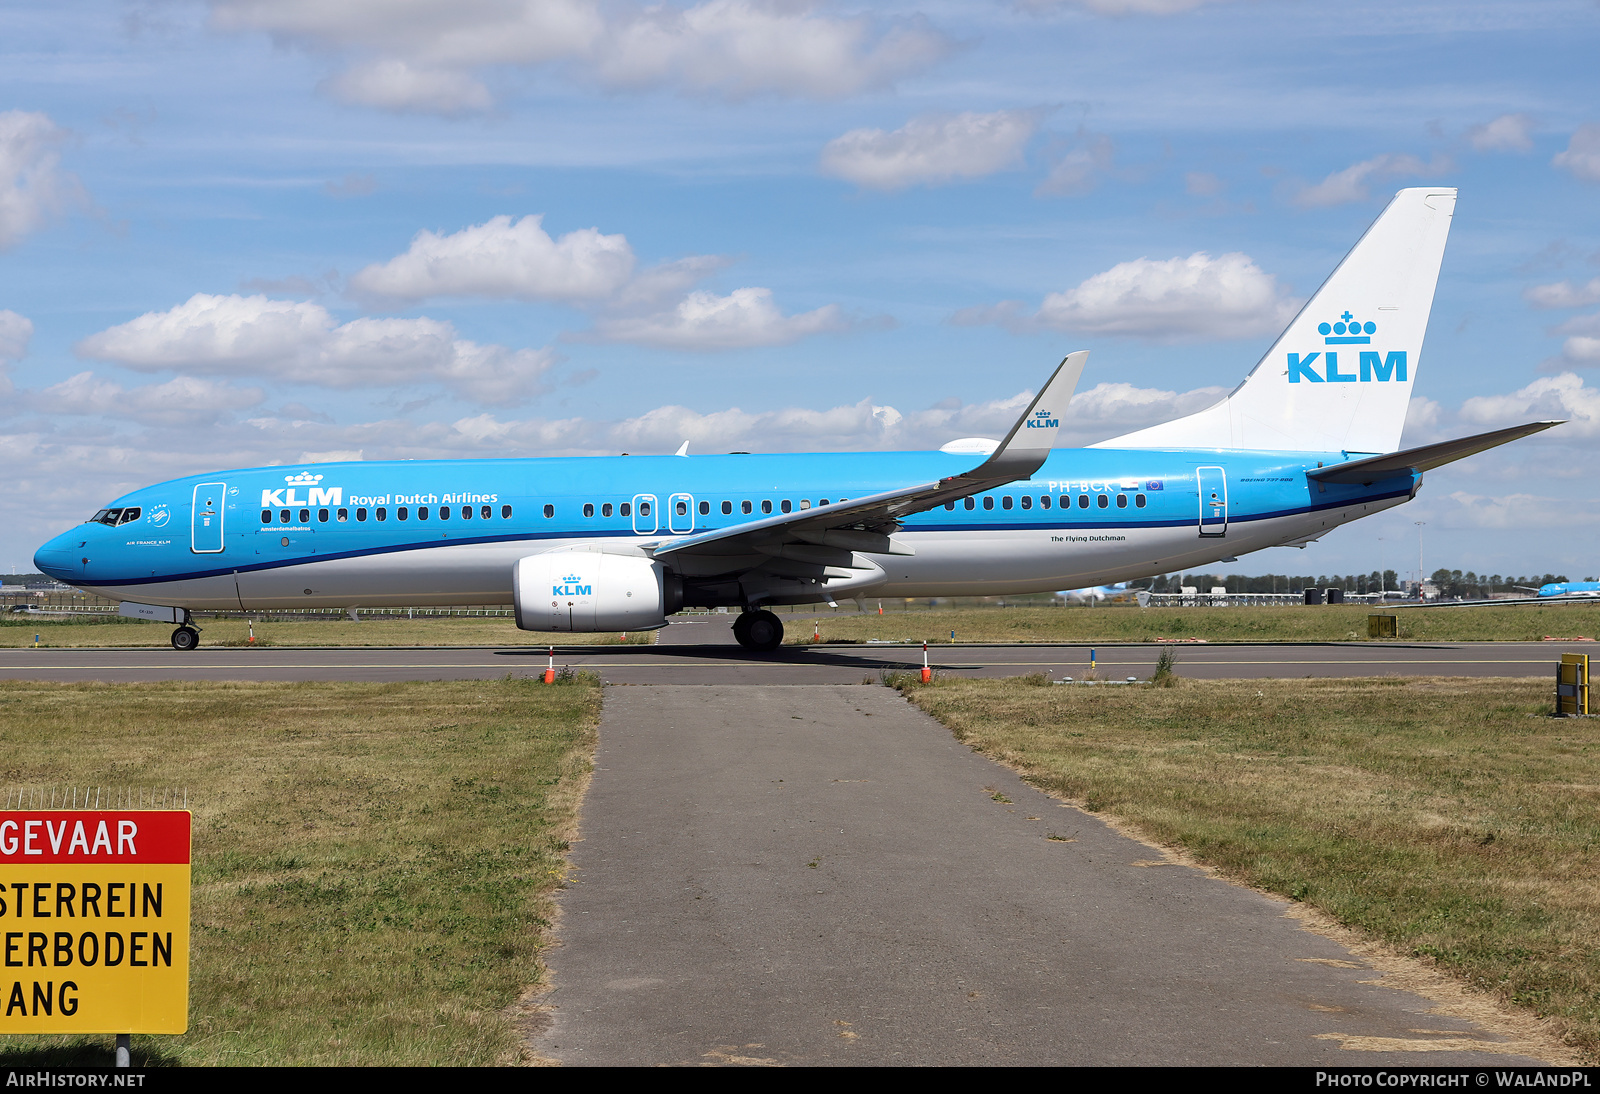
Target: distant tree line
{"type": "Point", "coordinates": [1452, 584]}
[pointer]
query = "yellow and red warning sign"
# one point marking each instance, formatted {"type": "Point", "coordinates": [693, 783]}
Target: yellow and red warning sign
{"type": "Point", "coordinates": [94, 921]}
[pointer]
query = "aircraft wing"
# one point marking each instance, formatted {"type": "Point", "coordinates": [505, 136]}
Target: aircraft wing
{"type": "Point", "coordinates": [826, 534]}
{"type": "Point", "coordinates": [1426, 458]}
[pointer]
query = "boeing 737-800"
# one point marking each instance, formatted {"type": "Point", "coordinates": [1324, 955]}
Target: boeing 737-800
{"type": "Point", "coordinates": [1306, 443]}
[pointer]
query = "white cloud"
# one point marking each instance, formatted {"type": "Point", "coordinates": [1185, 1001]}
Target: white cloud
{"type": "Point", "coordinates": [336, 455]}
{"type": "Point", "coordinates": [15, 333]}
{"type": "Point", "coordinates": [1507, 133]}
{"type": "Point", "coordinates": [503, 258]}
{"type": "Point", "coordinates": [423, 55]}
{"type": "Point", "coordinates": [1582, 156]}
{"type": "Point", "coordinates": [1351, 184]}
{"type": "Point", "coordinates": [706, 321]}
{"type": "Point", "coordinates": [182, 401]}
{"type": "Point", "coordinates": [1080, 169]}
{"type": "Point", "coordinates": [1173, 299]}
{"type": "Point", "coordinates": [932, 148]}
{"type": "Point", "coordinates": [302, 343]}
{"type": "Point", "coordinates": [33, 188]}
{"type": "Point", "coordinates": [390, 83]}
{"type": "Point", "coordinates": [1563, 294]}
{"type": "Point", "coordinates": [1549, 397]}
{"type": "Point", "coordinates": [1202, 184]}
{"type": "Point", "coordinates": [1118, 7]}
{"type": "Point", "coordinates": [1505, 511]}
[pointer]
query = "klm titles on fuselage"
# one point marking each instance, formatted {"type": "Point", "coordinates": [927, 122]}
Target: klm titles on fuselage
{"type": "Point", "coordinates": [334, 495]}
{"type": "Point", "coordinates": [1372, 365]}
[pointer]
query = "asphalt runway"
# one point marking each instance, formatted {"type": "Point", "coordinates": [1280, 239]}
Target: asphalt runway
{"type": "Point", "coordinates": [824, 875]}
{"type": "Point", "coordinates": [702, 651]}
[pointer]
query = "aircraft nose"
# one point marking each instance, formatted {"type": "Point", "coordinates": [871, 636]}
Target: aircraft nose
{"type": "Point", "coordinates": [57, 558]}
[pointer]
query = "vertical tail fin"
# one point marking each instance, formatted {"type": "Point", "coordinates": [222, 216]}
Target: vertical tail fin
{"type": "Point", "coordinates": [1339, 378]}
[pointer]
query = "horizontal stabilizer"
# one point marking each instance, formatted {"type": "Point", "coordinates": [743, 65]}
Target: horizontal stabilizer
{"type": "Point", "coordinates": [1426, 458]}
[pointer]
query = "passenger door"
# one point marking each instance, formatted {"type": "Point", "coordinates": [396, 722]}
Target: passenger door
{"type": "Point", "coordinates": [680, 513]}
{"type": "Point", "coordinates": [205, 522]}
{"type": "Point", "coordinates": [645, 518]}
{"type": "Point", "coordinates": [1213, 501]}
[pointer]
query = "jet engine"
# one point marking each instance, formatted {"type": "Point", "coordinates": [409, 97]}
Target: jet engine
{"type": "Point", "coordinates": [591, 591]}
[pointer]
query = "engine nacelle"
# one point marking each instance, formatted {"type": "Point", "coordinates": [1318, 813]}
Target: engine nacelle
{"type": "Point", "coordinates": [590, 591]}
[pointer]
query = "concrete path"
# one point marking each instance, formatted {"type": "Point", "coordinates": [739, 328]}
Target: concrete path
{"type": "Point", "coordinates": [823, 875]}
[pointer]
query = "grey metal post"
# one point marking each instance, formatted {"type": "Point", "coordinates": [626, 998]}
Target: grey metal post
{"type": "Point", "coordinates": [122, 1050]}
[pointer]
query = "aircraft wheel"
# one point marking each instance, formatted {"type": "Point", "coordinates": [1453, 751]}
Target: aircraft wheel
{"type": "Point", "coordinates": [185, 638]}
{"type": "Point", "coordinates": [758, 631]}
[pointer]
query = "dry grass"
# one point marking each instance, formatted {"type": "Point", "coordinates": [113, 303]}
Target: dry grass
{"type": "Point", "coordinates": [374, 631]}
{"type": "Point", "coordinates": [1448, 819]}
{"type": "Point", "coordinates": [1325, 623]}
{"type": "Point", "coordinates": [372, 862]}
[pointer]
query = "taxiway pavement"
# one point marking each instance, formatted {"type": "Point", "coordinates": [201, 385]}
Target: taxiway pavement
{"type": "Point", "coordinates": [822, 874]}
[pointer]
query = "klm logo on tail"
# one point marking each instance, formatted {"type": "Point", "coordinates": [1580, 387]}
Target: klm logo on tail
{"type": "Point", "coordinates": [1041, 420]}
{"type": "Point", "coordinates": [1372, 366]}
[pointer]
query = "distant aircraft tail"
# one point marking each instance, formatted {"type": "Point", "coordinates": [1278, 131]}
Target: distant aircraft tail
{"type": "Point", "coordinates": [1339, 378]}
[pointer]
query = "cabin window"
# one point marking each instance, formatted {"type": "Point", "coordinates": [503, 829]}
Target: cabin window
{"type": "Point", "coordinates": [988, 501]}
{"type": "Point", "coordinates": [1044, 501]}
{"type": "Point", "coordinates": [505, 512]}
{"type": "Point", "coordinates": [1122, 501]}
{"type": "Point", "coordinates": [625, 509]}
{"type": "Point", "coordinates": [822, 501]}
{"type": "Point", "coordinates": [361, 515]}
{"type": "Point", "coordinates": [422, 512]}
{"type": "Point", "coordinates": [444, 512]}
{"type": "Point", "coordinates": [466, 512]}
{"type": "Point", "coordinates": [1105, 501]}
{"type": "Point", "coordinates": [605, 509]}
{"type": "Point", "coordinates": [550, 511]}
{"type": "Point", "coordinates": [682, 508]}
{"type": "Point", "coordinates": [705, 509]}
{"type": "Point", "coordinates": [305, 516]}
{"type": "Point", "coordinates": [727, 508]}
{"type": "Point", "coordinates": [1005, 502]}
{"type": "Point", "coordinates": [644, 509]}
{"type": "Point", "coordinates": [766, 505]}
{"type": "Point", "coordinates": [805, 503]}
{"type": "Point", "coordinates": [969, 503]}
{"type": "Point", "coordinates": [950, 505]}
{"type": "Point", "coordinates": [485, 512]}
{"type": "Point", "coordinates": [784, 505]}
{"type": "Point", "coordinates": [382, 514]}
{"type": "Point", "coordinates": [1027, 502]}
{"type": "Point", "coordinates": [1138, 500]}
{"type": "Point", "coordinates": [588, 509]}
{"type": "Point", "coordinates": [402, 513]}
{"type": "Point", "coordinates": [744, 507]}
{"type": "Point", "coordinates": [283, 517]}
{"type": "Point", "coordinates": [266, 516]}
{"type": "Point", "coordinates": [1083, 501]}
{"type": "Point", "coordinates": [344, 515]}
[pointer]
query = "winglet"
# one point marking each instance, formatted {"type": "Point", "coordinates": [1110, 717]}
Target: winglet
{"type": "Point", "coordinates": [1028, 445]}
{"type": "Point", "coordinates": [683, 449]}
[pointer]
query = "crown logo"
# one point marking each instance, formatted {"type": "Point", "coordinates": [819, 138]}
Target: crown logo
{"type": "Point", "coordinates": [1348, 331]}
{"type": "Point", "coordinates": [304, 478]}
{"type": "Point", "coordinates": [571, 579]}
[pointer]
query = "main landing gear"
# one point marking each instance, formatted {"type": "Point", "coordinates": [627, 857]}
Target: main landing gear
{"type": "Point", "coordinates": [185, 638]}
{"type": "Point", "coordinates": [759, 631]}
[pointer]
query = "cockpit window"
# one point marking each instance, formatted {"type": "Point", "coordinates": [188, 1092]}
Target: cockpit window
{"type": "Point", "coordinates": [128, 515]}
{"type": "Point", "coordinates": [108, 517]}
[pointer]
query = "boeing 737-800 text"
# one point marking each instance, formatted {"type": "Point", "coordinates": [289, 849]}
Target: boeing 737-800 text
{"type": "Point", "coordinates": [1306, 443]}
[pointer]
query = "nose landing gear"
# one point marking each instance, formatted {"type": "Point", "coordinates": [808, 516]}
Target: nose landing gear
{"type": "Point", "coordinates": [758, 631]}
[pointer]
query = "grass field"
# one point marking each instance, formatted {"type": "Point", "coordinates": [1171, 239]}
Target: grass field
{"type": "Point", "coordinates": [1326, 623]}
{"type": "Point", "coordinates": [372, 862]}
{"type": "Point", "coordinates": [375, 631]}
{"type": "Point", "coordinates": [1449, 819]}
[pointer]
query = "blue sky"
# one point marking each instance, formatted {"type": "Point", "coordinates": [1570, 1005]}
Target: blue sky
{"type": "Point", "coordinates": [774, 226]}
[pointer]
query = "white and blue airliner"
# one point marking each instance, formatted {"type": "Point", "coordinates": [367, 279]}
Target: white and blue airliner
{"type": "Point", "coordinates": [1306, 443]}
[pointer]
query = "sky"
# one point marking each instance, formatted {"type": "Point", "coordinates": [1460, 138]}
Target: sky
{"type": "Point", "coordinates": [247, 232]}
